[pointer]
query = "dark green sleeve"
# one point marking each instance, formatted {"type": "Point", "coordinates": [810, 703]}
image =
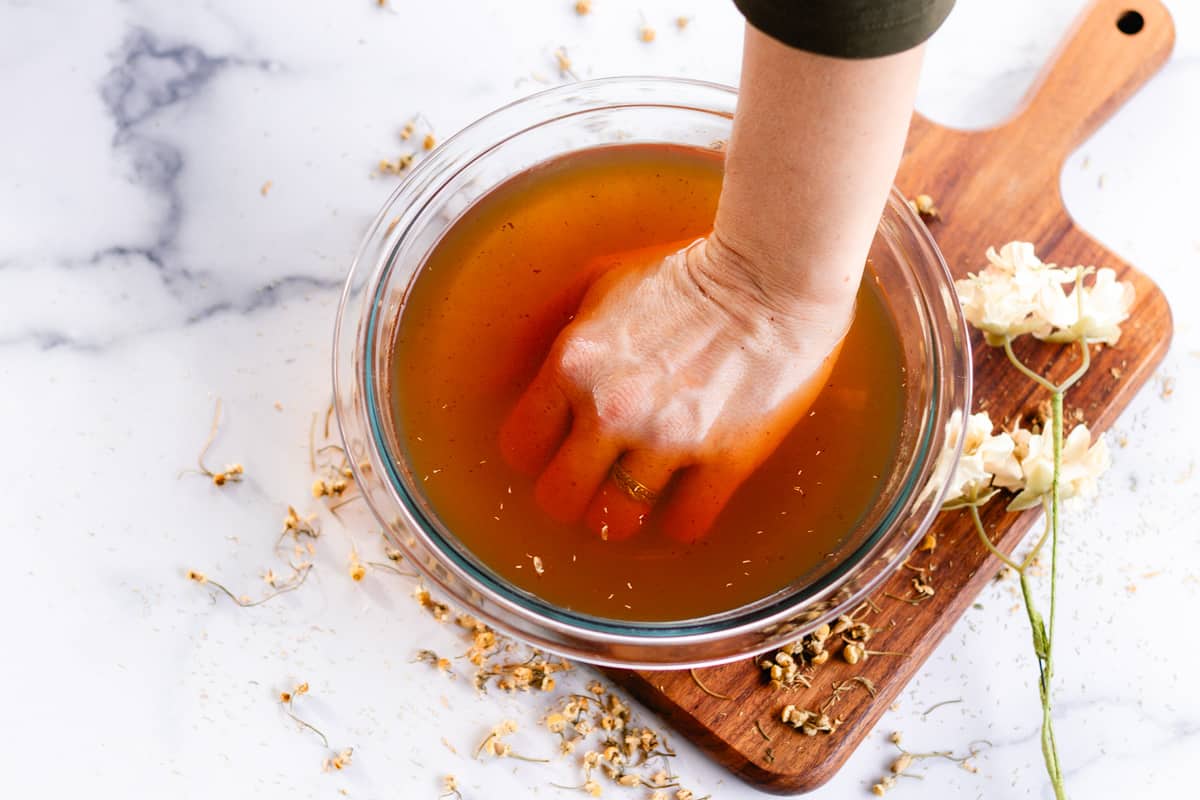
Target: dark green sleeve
{"type": "Point", "coordinates": [847, 28]}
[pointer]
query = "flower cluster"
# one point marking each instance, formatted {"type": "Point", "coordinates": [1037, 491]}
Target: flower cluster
{"type": "Point", "coordinates": [1082, 463]}
{"type": "Point", "coordinates": [1021, 461]}
{"type": "Point", "coordinates": [1016, 293]}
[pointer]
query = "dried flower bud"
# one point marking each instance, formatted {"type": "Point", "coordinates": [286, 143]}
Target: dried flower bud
{"type": "Point", "coordinates": [198, 577]}
{"type": "Point", "coordinates": [647, 34]}
{"type": "Point", "coordinates": [903, 762]}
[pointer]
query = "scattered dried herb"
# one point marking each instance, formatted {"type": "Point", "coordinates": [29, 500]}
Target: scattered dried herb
{"type": "Point", "coordinates": [705, 689]}
{"type": "Point", "coordinates": [291, 584]}
{"type": "Point", "coordinates": [936, 706]}
{"type": "Point", "coordinates": [232, 473]}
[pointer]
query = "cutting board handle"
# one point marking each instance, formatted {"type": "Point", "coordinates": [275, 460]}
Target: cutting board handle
{"type": "Point", "coordinates": [1112, 49]}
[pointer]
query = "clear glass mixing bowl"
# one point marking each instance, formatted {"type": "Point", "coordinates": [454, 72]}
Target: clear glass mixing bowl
{"type": "Point", "coordinates": [908, 267]}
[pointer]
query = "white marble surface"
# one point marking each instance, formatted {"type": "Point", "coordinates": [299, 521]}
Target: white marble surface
{"type": "Point", "coordinates": [142, 275]}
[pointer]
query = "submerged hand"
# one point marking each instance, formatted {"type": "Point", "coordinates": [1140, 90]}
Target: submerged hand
{"type": "Point", "coordinates": [676, 379]}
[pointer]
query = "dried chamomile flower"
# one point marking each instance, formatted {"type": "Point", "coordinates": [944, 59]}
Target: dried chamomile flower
{"type": "Point", "coordinates": [397, 165]}
{"type": "Point", "coordinates": [439, 611]}
{"type": "Point", "coordinates": [785, 669]}
{"type": "Point", "coordinates": [923, 205]}
{"type": "Point", "coordinates": [440, 663]}
{"type": "Point", "coordinates": [232, 473]}
{"type": "Point", "coordinates": [885, 783]}
{"type": "Point", "coordinates": [583, 7]}
{"type": "Point", "coordinates": [429, 142]}
{"type": "Point", "coordinates": [298, 526]}
{"type": "Point", "coordinates": [339, 761]}
{"type": "Point", "coordinates": [450, 788]}
{"type": "Point", "coordinates": [1082, 463]}
{"type": "Point", "coordinates": [810, 723]}
{"type": "Point", "coordinates": [682, 22]}
{"type": "Point", "coordinates": [358, 570]}
{"type": "Point", "coordinates": [647, 34]}
{"type": "Point", "coordinates": [564, 63]}
{"type": "Point", "coordinates": [334, 487]}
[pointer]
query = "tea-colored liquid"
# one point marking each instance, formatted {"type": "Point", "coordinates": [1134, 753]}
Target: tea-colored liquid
{"type": "Point", "coordinates": [480, 319]}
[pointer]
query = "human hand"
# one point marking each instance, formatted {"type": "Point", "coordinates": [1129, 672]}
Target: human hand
{"type": "Point", "coordinates": [675, 380]}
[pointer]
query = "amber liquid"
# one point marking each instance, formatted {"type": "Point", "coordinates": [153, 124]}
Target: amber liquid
{"type": "Point", "coordinates": [480, 318]}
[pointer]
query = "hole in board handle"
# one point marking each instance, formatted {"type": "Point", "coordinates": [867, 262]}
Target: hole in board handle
{"type": "Point", "coordinates": [1131, 22]}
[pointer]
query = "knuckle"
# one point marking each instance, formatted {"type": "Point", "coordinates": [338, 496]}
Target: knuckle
{"type": "Point", "coordinates": [576, 360]}
{"type": "Point", "coordinates": [622, 404]}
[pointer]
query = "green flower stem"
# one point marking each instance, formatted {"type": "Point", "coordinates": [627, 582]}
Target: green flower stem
{"type": "Point", "coordinates": [1043, 635]}
{"type": "Point", "coordinates": [1024, 370]}
{"type": "Point", "coordinates": [988, 542]}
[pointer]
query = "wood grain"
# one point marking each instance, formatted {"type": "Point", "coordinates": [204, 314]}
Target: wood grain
{"type": "Point", "coordinates": [992, 186]}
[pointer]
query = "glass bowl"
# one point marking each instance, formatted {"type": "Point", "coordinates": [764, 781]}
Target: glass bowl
{"type": "Point", "coordinates": [910, 271]}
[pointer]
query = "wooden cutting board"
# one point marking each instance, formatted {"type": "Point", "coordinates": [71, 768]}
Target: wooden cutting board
{"type": "Point", "coordinates": [991, 186]}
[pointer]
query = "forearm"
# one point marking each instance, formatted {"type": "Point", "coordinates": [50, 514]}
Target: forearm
{"type": "Point", "coordinates": [815, 146]}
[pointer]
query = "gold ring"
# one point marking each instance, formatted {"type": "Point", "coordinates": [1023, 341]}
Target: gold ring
{"type": "Point", "coordinates": [632, 486]}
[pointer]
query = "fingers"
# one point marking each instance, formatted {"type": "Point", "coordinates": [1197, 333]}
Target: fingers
{"type": "Point", "coordinates": [614, 512]}
{"type": "Point", "coordinates": [698, 497]}
{"type": "Point", "coordinates": [576, 472]}
{"type": "Point", "coordinates": [537, 424]}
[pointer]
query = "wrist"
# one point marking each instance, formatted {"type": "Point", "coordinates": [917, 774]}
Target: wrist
{"type": "Point", "coordinates": [789, 281]}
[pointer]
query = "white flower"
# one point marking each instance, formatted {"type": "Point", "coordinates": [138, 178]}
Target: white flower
{"type": "Point", "coordinates": [1096, 312]}
{"type": "Point", "coordinates": [1015, 294]}
{"type": "Point", "coordinates": [987, 460]}
{"type": "Point", "coordinates": [1082, 464]}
